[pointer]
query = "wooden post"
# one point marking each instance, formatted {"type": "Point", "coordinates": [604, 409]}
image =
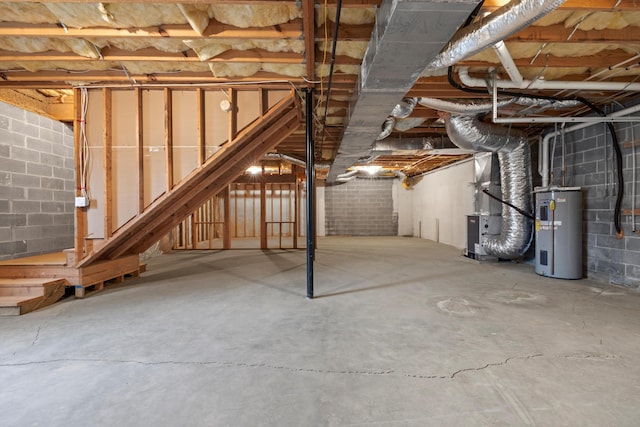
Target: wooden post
{"type": "Point", "coordinates": [108, 166]}
{"type": "Point", "coordinates": [140, 147]}
{"type": "Point", "coordinates": [233, 115]}
{"type": "Point", "coordinates": [226, 227]}
{"type": "Point", "coordinates": [263, 215]}
{"type": "Point", "coordinates": [81, 213]}
{"type": "Point", "coordinates": [194, 230]}
{"type": "Point", "coordinates": [264, 105]}
{"type": "Point", "coordinates": [168, 136]}
{"type": "Point", "coordinates": [201, 126]}
{"type": "Point", "coordinates": [296, 223]}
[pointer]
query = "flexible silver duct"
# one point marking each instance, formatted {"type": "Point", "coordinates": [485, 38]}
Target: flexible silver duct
{"type": "Point", "coordinates": [387, 128]}
{"type": "Point", "coordinates": [478, 107]}
{"type": "Point", "coordinates": [468, 107]}
{"type": "Point", "coordinates": [499, 25]}
{"type": "Point", "coordinates": [546, 104]}
{"type": "Point", "coordinates": [411, 146]}
{"type": "Point", "coordinates": [400, 111]}
{"type": "Point", "coordinates": [404, 108]}
{"type": "Point", "coordinates": [514, 155]}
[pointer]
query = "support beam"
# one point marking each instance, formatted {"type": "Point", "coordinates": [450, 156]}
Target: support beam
{"type": "Point", "coordinates": [108, 163]}
{"type": "Point", "coordinates": [140, 149]}
{"type": "Point", "coordinates": [215, 30]}
{"type": "Point", "coordinates": [80, 213]}
{"type": "Point", "coordinates": [308, 24]}
{"type": "Point", "coordinates": [311, 214]}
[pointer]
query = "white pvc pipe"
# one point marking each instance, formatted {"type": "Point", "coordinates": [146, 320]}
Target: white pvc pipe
{"type": "Point", "coordinates": [467, 80]}
{"type": "Point", "coordinates": [544, 146]}
{"type": "Point", "coordinates": [507, 62]}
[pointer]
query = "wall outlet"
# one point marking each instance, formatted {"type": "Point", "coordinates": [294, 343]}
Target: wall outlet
{"type": "Point", "coordinates": [82, 202]}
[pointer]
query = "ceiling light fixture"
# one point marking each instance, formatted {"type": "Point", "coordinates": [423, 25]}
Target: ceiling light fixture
{"type": "Point", "coordinates": [370, 169]}
{"type": "Point", "coordinates": [254, 170]}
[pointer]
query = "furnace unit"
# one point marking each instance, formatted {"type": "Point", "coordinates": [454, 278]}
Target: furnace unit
{"type": "Point", "coordinates": [479, 228]}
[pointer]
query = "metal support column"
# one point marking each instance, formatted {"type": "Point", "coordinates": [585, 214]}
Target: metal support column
{"type": "Point", "coordinates": [311, 190]}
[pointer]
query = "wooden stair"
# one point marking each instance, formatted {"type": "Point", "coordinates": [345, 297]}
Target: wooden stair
{"type": "Point", "coordinates": [20, 296]}
{"type": "Point", "coordinates": [231, 161]}
{"type": "Point", "coordinates": [30, 283]}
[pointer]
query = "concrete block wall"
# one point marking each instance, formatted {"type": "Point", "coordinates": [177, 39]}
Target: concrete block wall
{"type": "Point", "coordinates": [361, 207]}
{"type": "Point", "coordinates": [36, 184]}
{"type": "Point", "coordinates": [589, 163]}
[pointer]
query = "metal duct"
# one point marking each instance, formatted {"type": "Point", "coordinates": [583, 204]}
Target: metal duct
{"type": "Point", "coordinates": [469, 107]}
{"type": "Point", "coordinates": [505, 21]}
{"type": "Point", "coordinates": [514, 155]}
{"type": "Point", "coordinates": [387, 128]}
{"type": "Point", "coordinates": [479, 107]}
{"type": "Point", "coordinates": [404, 108]}
{"type": "Point", "coordinates": [395, 58]}
{"type": "Point", "coordinates": [413, 146]}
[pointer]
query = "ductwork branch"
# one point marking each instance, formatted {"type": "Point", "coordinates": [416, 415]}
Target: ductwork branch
{"type": "Point", "coordinates": [503, 22]}
{"type": "Point", "coordinates": [387, 128]}
{"type": "Point", "coordinates": [404, 108]}
{"type": "Point", "coordinates": [514, 155]}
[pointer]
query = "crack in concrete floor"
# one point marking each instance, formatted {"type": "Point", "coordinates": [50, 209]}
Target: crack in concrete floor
{"type": "Point", "coordinates": [389, 372]}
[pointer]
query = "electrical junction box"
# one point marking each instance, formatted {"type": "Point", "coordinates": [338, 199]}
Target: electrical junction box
{"type": "Point", "coordinates": [82, 202]}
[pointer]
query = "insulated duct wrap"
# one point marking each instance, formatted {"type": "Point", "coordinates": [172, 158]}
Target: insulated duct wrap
{"type": "Point", "coordinates": [401, 147]}
{"type": "Point", "coordinates": [514, 155]}
{"type": "Point", "coordinates": [387, 128]}
{"type": "Point", "coordinates": [499, 25]}
{"type": "Point", "coordinates": [404, 108]}
{"type": "Point", "coordinates": [515, 182]}
{"type": "Point", "coordinates": [469, 107]}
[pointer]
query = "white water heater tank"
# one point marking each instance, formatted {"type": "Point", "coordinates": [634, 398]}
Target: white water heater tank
{"type": "Point", "coordinates": [559, 232]}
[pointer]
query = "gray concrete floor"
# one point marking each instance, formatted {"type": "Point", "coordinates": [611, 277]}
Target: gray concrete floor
{"type": "Point", "coordinates": [405, 332]}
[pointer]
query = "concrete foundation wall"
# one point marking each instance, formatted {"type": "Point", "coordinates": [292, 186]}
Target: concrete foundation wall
{"type": "Point", "coordinates": [589, 163]}
{"type": "Point", "coordinates": [36, 184]}
{"type": "Point", "coordinates": [361, 207]}
{"type": "Point", "coordinates": [441, 202]}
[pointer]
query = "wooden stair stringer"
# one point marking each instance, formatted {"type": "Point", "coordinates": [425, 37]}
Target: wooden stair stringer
{"type": "Point", "coordinates": [215, 174]}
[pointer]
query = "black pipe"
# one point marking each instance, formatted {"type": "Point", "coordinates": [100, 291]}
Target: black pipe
{"type": "Point", "coordinates": [311, 214]}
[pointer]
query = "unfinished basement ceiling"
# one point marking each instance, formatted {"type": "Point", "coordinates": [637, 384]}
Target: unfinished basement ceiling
{"type": "Point", "coordinates": [49, 47]}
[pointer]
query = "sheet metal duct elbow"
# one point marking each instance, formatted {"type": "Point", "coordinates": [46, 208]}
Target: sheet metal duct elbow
{"type": "Point", "coordinates": [387, 128]}
{"type": "Point", "coordinates": [404, 108]}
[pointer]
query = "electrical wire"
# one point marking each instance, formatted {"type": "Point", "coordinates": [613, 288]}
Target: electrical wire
{"type": "Point", "coordinates": [590, 105]}
{"type": "Point", "coordinates": [520, 211]}
{"type": "Point", "coordinates": [85, 152]}
{"type": "Point", "coordinates": [594, 109]}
